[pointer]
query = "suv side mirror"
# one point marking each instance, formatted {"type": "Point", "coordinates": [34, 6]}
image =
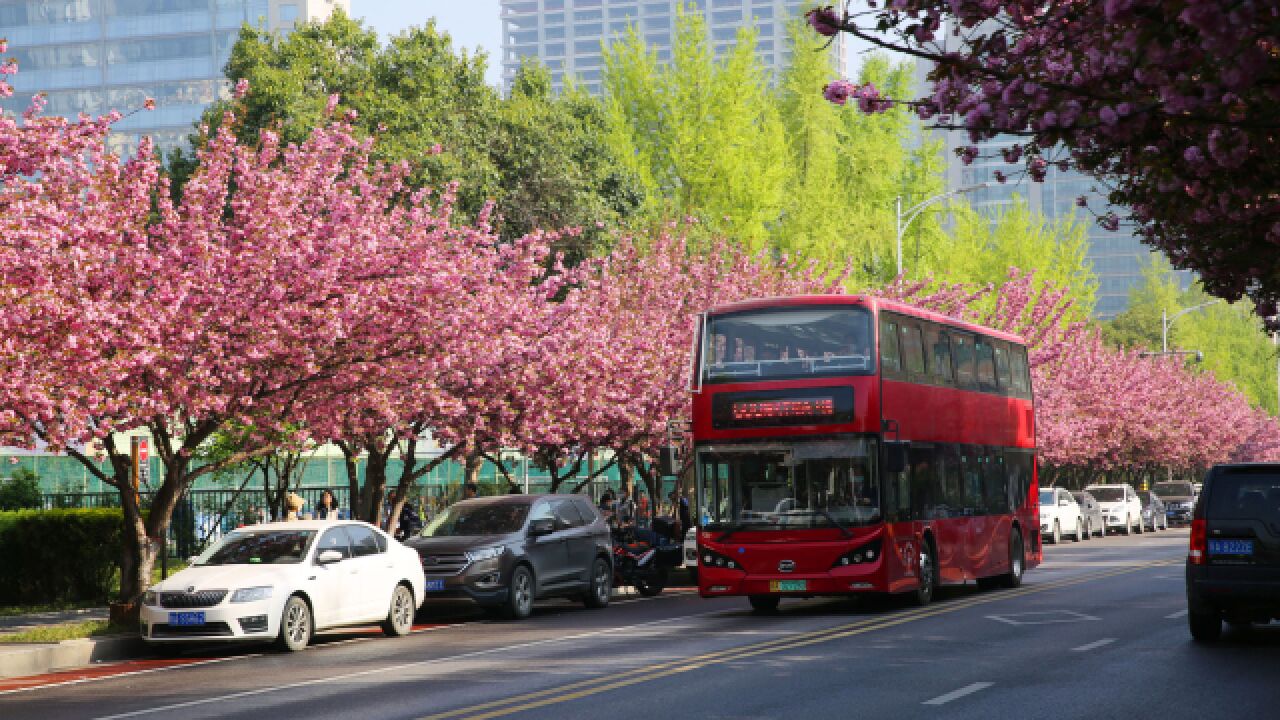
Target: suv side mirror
{"type": "Point", "coordinates": [542, 526]}
{"type": "Point", "coordinates": [895, 456]}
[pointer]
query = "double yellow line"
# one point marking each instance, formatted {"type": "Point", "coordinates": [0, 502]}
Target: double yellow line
{"type": "Point", "coordinates": [594, 686]}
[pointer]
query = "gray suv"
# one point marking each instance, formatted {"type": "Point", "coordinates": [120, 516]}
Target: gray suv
{"type": "Point", "coordinates": [504, 552]}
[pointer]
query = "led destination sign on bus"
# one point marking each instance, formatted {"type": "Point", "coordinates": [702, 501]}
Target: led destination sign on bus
{"type": "Point", "coordinates": [776, 408]}
{"type": "Point", "coordinates": [786, 408]}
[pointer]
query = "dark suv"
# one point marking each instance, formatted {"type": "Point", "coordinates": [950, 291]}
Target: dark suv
{"type": "Point", "coordinates": [1233, 567]}
{"type": "Point", "coordinates": [504, 552]}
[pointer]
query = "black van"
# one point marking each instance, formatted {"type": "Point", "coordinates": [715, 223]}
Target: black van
{"type": "Point", "coordinates": [1233, 567]}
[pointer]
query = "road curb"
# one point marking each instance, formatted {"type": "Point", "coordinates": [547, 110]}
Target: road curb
{"type": "Point", "coordinates": [22, 659]}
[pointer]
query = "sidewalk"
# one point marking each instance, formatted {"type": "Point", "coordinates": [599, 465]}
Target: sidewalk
{"type": "Point", "coordinates": [23, 659]}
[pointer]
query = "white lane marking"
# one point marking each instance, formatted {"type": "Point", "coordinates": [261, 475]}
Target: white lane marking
{"type": "Point", "coordinates": [1093, 645]}
{"type": "Point", "coordinates": [394, 668]}
{"type": "Point", "coordinates": [1175, 616]}
{"type": "Point", "coordinates": [1046, 617]}
{"type": "Point", "coordinates": [955, 694]}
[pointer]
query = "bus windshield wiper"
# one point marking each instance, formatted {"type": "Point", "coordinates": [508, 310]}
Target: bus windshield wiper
{"type": "Point", "coordinates": [832, 519]}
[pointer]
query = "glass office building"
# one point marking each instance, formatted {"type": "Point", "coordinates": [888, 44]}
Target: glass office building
{"type": "Point", "coordinates": [568, 35]}
{"type": "Point", "coordinates": [94, 56]}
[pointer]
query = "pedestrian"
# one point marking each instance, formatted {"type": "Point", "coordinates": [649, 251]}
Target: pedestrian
{"type": "Point", "coordinates": [626, 507]}
{"type": "Point", "coordinates": [326, 509]}
{"type": "Point", "coordinates": [293, 506]}
{"type": "Point", "coordinates": [470, 490]}
{"type": "Point", "coordinates": [682, 512]}
{"type": "Point", "coordinates": [410, 523]}
{"type": "Point", "coordinates": [513, 489]}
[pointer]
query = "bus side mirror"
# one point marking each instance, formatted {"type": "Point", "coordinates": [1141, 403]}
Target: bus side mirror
{"type": "Point", "coordinates": [669, 460]}
{"type": "Point", "coordinates": [895, 456]}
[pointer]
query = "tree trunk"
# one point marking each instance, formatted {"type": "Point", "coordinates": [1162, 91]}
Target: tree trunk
{"type": "Point", "coordinates": [375, 483]}
{"type": "Point", "coordinates": [472, 468]}
{"type": "Point", "coordinates": [350, 453]}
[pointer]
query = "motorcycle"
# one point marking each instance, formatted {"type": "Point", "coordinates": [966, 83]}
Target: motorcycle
{"type": "Point", "coordinates": [642, 564]}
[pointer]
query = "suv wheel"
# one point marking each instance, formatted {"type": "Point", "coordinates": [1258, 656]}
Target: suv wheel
{"type": "Point", "coordinates": [1128, 525]}
{"type": "Point", "coordinates": [1206, 625]}
{"type": "Point", "coordinates": [519, 594]}
{"type": "Point", "coordinates": [1056, 537]}
{"type": "Point", "coordinates": [601, 585]}
{"type": "Point", "coordinates": [1079, 531]}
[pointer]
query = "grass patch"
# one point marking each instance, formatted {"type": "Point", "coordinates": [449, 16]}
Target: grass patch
{"type": "Point", "coordinates": [66, 631]}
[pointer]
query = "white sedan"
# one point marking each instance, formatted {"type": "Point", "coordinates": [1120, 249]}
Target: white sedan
{"type": "Point", "coordinates": [285, 581]}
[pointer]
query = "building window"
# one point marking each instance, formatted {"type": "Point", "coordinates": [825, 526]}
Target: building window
{"type": "Point", "coordinates": [588, 15]}
{"type": "Point", "coordinates": [553, 4]}
{"type": "Point", "coordinates": [616, 12]}
{"type": "Point", "coordinates": [553, 19]}
{"type": "Point", "coordinates": [523, 37]}
{"type": "Point", "coordinates": [721, 17]}
{"type": "Point", "coordinates": [587, 3]}
{"type": "Point", "coordinates": [588, 30]}
{"type": "Point", "coordinates": [522, 8]}
{"type": "Point", "coordinates": [657, 8]}
{"type": "Point", "coordinates": [762, 13]}
{"type": "Point", "coordinates": [658, 23]}
{"type": "Point", "coordinates": [586, 47]}
{"type": "Point", "coordinates": [553, 49]}
{"type": "Point", "coordinates": [724, 33]}
{"type": "Point", "coordinates": [592, 75]}
{"type": "Point", "coordinates": [555, 33]}
{"type": "Point", "coordinates": [288, 13]}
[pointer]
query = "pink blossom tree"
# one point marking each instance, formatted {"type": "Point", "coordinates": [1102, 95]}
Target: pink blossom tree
{"type": "Point", "coordinates": [1171, 105]}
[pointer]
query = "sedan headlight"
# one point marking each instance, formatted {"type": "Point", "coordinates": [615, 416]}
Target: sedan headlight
{"type": "Point", "coordinates": [483, 554]}
{"type": "Point", "coordinates": [251, 594]}
{"type": "Point", "coordinates": [150, 598]}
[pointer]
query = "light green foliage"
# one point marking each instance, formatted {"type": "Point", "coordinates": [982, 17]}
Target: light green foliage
{"type": "Point", "coordinates": [703, 135]}
{"type": "Point", "coordinates": [776, 167]}
{"type": "Point", "coordinates": [1235, 347]}
{"type": "Point", "coordinates": [981, 249]}
{"type": "Point", "coordinates": [541, 160]}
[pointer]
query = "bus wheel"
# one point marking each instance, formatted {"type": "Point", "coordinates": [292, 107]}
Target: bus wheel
{"type": "Point", "coordinates": [923, 593]}
{"type": "Point", "coordinates": [764, 603]}
{"type": "Point", "coordinates": [1017, 561]}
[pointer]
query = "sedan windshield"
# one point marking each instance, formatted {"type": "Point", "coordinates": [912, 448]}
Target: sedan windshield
{"type": "Point", "coordinates": [264, 547]}
{"type": "Point", "coordinates": [1107, 494]}
{"type": "Point", "coordinates": [1173, 489]}
{"type": "Point", "coordinates": [472, 520]}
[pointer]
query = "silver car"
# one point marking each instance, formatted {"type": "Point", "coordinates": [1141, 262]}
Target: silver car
{"type": "Point", "coordinates": [1091, 511]}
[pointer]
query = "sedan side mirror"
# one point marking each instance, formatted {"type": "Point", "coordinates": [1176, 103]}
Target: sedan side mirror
{"type": "Point", "coordinates": [328, 557]}
{"type": "Point", "coordinates": [542, 526]}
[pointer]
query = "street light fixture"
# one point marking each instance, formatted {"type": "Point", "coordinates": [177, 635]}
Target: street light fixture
{"type": "Point", "coordinates": [901, 223]}
{"type": "Point", "coordinates": [1166, 321]}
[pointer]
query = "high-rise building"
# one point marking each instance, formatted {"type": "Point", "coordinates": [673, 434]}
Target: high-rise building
{"type": "Point", "coordinates": [1117, 256]}
{"type": "Point", "coordinates": [94, 56]}
{"type": "Point", "coordinates": [568, 36]}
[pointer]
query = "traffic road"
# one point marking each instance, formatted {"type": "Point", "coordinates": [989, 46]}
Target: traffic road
{"type": "Point", "coordinates": [1098, 631]}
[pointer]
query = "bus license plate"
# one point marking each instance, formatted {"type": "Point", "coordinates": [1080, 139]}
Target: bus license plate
{"type": "Point", "coordinates": [1230, 547]}
{"type": "Point", "coordinates": [788, 585]}
{"type": "Point", "coordinates": [186, 618]}
{"type": "Point", "coordinates": [435, 585]}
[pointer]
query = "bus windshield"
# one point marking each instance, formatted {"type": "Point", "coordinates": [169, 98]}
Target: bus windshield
{"type": "Point", "coordinates": [791, 342]}
{"type": "Point", "coordinates": [785, 487]}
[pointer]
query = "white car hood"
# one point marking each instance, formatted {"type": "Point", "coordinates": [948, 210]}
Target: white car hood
{"type": "Point", "coordinates": [228, 577]}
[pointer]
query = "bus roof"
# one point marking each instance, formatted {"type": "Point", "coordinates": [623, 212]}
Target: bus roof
{"type": "Point", "coordinates": [866, 301]}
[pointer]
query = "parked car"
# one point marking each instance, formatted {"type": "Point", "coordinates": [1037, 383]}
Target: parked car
{"type": "Point", "coordinates": [506, 551]}
{"type": "Point", "coordinates": [1179, 500]}
{"type": "Point", "coordinates": [1121, 507]}
{"type": "Point", "coordinates": [1094, 522]}
{"type": "Point", "coordinates": [1059, 515]}
{"type": "Point", "coordinates": [1153, 509]}
{"type": "Point", "coordinates": [285, 581]}
{"type": "Point", "coordinates": [1233, 563]}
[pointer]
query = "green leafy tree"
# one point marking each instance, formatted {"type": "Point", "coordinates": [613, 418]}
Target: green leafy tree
{"type": "Point", "coordinates": [1140, 324]}
{"type": "Point", "coordinates": [20, 490]}
{"type": "Point", "coordinates": [541, 160]}
{"type": "Point", "coordinates": [981, 249]}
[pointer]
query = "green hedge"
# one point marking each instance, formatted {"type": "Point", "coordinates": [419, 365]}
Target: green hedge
{"type": "Point", "coordinates": [50, 556]}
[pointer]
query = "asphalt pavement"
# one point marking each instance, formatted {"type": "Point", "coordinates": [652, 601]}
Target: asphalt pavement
{"type": "Point", "coordinates": [1098, 631]}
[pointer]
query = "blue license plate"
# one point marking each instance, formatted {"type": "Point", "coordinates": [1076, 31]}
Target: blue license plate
{"type": "Point", "coordinates": [435, 585]}
{"type": "Point", "coordinates": [186, 618]}
{"type": "Point", "coordinates": [1230, 547]}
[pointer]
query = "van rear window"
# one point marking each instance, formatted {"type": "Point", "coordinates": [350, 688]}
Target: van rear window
{"type": "Point", "coordinates": [1247, 493]}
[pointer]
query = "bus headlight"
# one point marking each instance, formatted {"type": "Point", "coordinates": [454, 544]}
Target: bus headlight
{"type": "Point", "coordinates": [859, 555]}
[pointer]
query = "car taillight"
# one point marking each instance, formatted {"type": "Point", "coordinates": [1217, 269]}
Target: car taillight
{"type": "Point", "coordinates": [1199, 542]}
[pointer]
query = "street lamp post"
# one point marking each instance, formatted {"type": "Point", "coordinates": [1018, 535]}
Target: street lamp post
{"type": "Point", "coordinates": [901, 223]}
{"type": "Point", "coordinates": [1166, 321]}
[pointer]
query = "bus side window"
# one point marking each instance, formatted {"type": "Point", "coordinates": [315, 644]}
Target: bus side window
{"type": "Point", "coordinates": [974, 502]}
{"type": "Point", "coordinates": [937, 346]}
{"type": "Point", "coordinates": [1018, 367]}
{"type": "Point", "coordinates": [962, 354]}
{"type": "Point", "coordinates": [1003, 374]}
{"type": "Point", "coordinates": [986, 364]}
{"type": "Point", "coordinates": [913, 351]}
{"type": "Point", "coordinates": [890, 361]}
{"type": "Point", "coordinates": [996, 485]}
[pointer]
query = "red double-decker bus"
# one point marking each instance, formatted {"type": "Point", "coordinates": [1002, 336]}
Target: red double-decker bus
{"type": "Point", "coordinates": [849, 445]}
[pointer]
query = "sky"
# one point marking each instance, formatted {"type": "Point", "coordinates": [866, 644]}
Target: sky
{"type": "Point", "coordinates": [471, 23]}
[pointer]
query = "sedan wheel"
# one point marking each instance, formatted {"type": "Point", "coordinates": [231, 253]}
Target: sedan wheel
{"type": "Point", "coordinates": [295, 625]}
{"type": "Point", "coordinates": [400, 617]}
{"type": "Point", "coordinates": [1079, 532]}
{"type": "Point", "coordinates": [520, 594]}
{"type": "Point", "coordinates": [1056, 537]}
{"type": "Point", "coordinates": [1088, 530]}
{"type": "Point", "coordinates": [1128, 525]}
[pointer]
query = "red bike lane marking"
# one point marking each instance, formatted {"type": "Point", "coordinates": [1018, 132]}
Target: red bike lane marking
{"type": "Point", "coordinates": [106, 671]}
